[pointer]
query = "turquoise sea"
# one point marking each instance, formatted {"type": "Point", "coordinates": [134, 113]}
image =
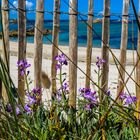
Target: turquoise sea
{"type": "Point", "coordinates": [115, 33]}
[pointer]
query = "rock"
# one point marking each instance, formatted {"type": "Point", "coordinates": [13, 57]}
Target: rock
{"type": "Point", "coordinates": [29, 32]}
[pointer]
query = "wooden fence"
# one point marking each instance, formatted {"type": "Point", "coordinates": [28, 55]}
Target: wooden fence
{"type": "Point", "coordinates": [73, 45]}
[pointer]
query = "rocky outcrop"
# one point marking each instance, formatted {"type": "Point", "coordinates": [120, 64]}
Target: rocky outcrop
{"type": "Point", "coordinates": [29, 32]}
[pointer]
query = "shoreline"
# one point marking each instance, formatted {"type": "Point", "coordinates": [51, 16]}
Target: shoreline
{"type": "Point", "coordinates": [81, 52]}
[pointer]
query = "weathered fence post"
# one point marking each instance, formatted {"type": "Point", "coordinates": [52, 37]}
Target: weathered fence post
{"type": "Point", "coordinates": [105, 45]}
{"type": "Point", "coordinates": [89, 43]}
{"type": "Point", "coordinates": [73, 46]}
{"type": "Point", "coordinates": [138, 69]}
{"type": "Point", "coordinates": [123, 47]}
{"type": "Point", "coordinates": [0, 31]}
{"type": "Point", "coordinates": [21, 45]}
{"type": "Point", "coordinates": [38, 39]}
{"type": "Point", "coordinates": [0, 90]}
{"type": "Point", "coordinates": [5, 49]}
{"type": "Point", "coordinates": [5, 24]}
{"type": "Point", "coordinates": [55, 40]}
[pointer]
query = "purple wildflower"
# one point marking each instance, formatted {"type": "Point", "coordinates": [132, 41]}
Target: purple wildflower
{"type": "Point", "coordinates": [134, 98]}
{"type": "Point", "coordinates": [32, 100]}
{"type": "Point", "coordinates": [89, 95]}
{"type": "Point", "coordinates": [93, 100]}
{"type": "Point", "coordinates": [23, 65]}
{"type": "Point", "coordinates": [58, 66]}
{"type": "Point", "coordinates": [27, 109]}
{"type": "Point", "coordinates": [8, 108]}
{"type": "Point", "coordinates": [36, 91]}
{"type": "Point", "coordinates": [61, 59]}
{"type": "Point", "coordinates": [108, 93]}
{"type": "Point", "coordinates": [62, 90]}
{"type": "Point", "coordinates": [88, 107]}
{"type": "Point", "coordinates": [22, 72]}
{"type": "Point", "coordinates": [123, 96]}
{"type": "Point", "coordinates": [99, 62]}
{"type": "Point", "coordinates": [59, 97]}
{"type": "Point", "coordinates": [65, 86]}
{"type": "Point", "coordinates": [130, 100]}
{"type": "Point", "coordinates": [85, 90]}
{"type": "Point", "coordinates": [34, 97]}
{"type": "Point", "coordinates": [18, 112]}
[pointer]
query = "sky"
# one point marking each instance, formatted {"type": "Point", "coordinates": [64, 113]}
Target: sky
{"type": "Point", "coordinates": [116, 7]}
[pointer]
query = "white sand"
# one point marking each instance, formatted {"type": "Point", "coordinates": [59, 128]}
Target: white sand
{"type": "Point", "coordinates": [113, 74]}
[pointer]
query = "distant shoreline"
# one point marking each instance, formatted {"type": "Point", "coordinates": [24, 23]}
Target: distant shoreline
{"type": "Point", "coordinates": [63, 20]}
{"type": "Point", "coordinates": [115, 33]}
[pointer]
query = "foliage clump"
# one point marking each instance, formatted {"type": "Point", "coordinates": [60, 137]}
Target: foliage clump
{"type": "Point", "coordinates": [90, 120]}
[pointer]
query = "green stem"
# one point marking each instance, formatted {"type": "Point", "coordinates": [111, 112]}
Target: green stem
{"type": "Point", "coordinates": [26, 81]}
{"type": "Point", "coordinates": [99, 91]}
{"type": "Point", "coordinates": [61, 84]}
{"type": "Point", "coordinates": [138, 133]}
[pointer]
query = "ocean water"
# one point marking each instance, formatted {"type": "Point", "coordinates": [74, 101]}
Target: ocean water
{"type": "Point", "coordinates": [115, 33]}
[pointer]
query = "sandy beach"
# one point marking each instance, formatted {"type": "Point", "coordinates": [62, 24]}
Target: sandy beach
{"type": "Point", "coordinates": [46, 66]}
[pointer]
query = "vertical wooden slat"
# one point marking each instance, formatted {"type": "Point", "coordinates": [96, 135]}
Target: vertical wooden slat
{"type": "Point", "coordinates": [21, 45]}
{"type": "Point", "coordinates": [105, 45]}
{"type": "Point", "coordinates": [38, 39]}
{"type": "Point", "coordinates": [55, 40]}
{"type": "Point", "coordinates": [123, 47]}
{"type": "Point", "coordinates": [138, 66]}
{"type": "Point", "coordinates": [89, 43]}
{"type": "Point", "coordinates": [5, 24]}
{"type": "Point", "coordinates": [0, 31]}
{"type": "Point", "coordinates": [73, 45]}
{"type": "Point", "coordinates": [0, 89]}
{"type": "Point", "coordinates": [138, 69]}
{"type": "Point", "coordinates": [5, 49]}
